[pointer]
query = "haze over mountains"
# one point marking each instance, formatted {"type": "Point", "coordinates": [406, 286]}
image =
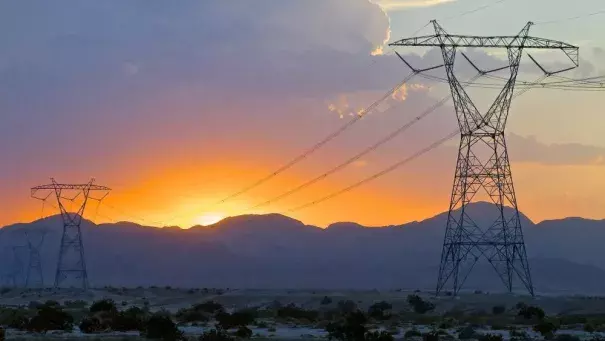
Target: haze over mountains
{"type": "Point", "coordinates": [274, 251]}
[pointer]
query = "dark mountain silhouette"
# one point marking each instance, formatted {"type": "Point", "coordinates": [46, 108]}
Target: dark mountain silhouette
{"type": "Point", "coordinates": [275, 251]}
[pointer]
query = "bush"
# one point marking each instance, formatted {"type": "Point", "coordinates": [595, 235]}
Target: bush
{"type": "Point", "coordinates": [326, 300]}
{"type": "Point", "coordinates": [530, 312]}
{"type": "Point", "coordinates": [420, 306]}
{"type": "Point", "coordinates": [186, 315]}
{"type": "Point", "coordinates": [432, 336]}
{"type": "Point", "coordinates": [237, 319]}
{"type": "Point", "coordinates": [412, 333]}
{"type": "Point", "coordinates": [243, 332]}
{"type": "Point", "coordinates": [131, 319]}
{"type": "Point", "coordinates": [378, 336]}
{"type": "Point", "coordinates": [347, 307]}
{"type": "Point", "coordinates": [161, 327]}
{"type": "Point", "coordinates": [546, 328]}
{"type": "Point", "coordinates": [380, 310]}
{"type": "Point", "coordinates": [490, 337]}
{"type": "Point", "coordinates": [352, 328]}
{"type": "Point", "coordinates": [292, 311]}
{"type": "Point", "coordinates": [90, 325]}
{"type": "Point", "coordinates": [567, 337]}
{"type": "Point", "coordinates": [467, 333]}
{"type": "Point", "coordinates": [215, 335]}
{"type": "Point", "coordinates": [498, 309]}
{"type": "Point", "coordinates": [105, 305]}
{"type": "Point", "coordinates": [50, 316]}
{"type": "Point", "coordinates": [210, 307]}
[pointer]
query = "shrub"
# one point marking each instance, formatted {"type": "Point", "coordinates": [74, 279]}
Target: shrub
{"type": "Point", "coordinates": [546, 328]}
{"type": "Point", "coordinates": [131, 319]}
{"type": "Point", "coordinates": [420, 306]}
{"type": "Point", "coordinates": [378, 336]}
{"type": "Point", "coordinates": [326, 300]}
{"type": "Point", "coordinates": [412, 333]}
{"type": "Point", "coordinates": [91, 325]}
{"type": "Point", "coordinates": [498, 309]}
{"type": "Point", "coordinates": [351, 328]}
{"type": "Point", "coordinates": [161, 327]}
{"type": "Point", "coordinates": [490, 337]}
{"type": "Point", "coordinates": [50, 316]}
{"type": "Point", "coordinates": [243, 332]}
{"type": "Point", "coordinates": [210, 307]}
{"type": "Point", "coordinates": [2, 334]}
{"type": "Point", "coordinates": [530, 312]}
{"type": "Point", "coordinates": [347, 307]}
{"type": "Point", "coordinates": [186, 315]}
{"type": "Point", "coordinates": [237, 319]}
{"type": "Point", "coordinates": [380, 310]}
{"type": "Point", "coordinates": [567, 337]}
{"type": "Point", "coordinates": [292, 311]}
{"type": "Point", "coordinates": [215, 335]}
{"type": "Point", "coordinates": [589, 328]}
{"type": "Point", "coordinates": [467, 333]}
{"type": "Point", "coordinates": [107, 305]}
{"type": "Point", "coordinates": [432, 336]}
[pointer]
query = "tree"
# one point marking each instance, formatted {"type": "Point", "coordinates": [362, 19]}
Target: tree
{"type": "Point", "coordinates": [351, 328]}
{"type": "Point", "coordinates": [90, 325]}
{"type": "Point", "coordinates": [237, 319]}
{"type": "Point", "coordinates": [132, 318]}
{"type": "Point", "coordinates": [210, 307]}
{"type": "Point", "coordinates": [530, 312]}
{"type": "Point", "coordinates": [326, 300]}
{"type": "Point", "coordinates": [161, 327]}
{"type": "Point", "coordinates": [243, 332]}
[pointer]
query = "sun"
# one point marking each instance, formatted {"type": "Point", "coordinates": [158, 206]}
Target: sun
{"type": "Point", "coordinates": [209, 219]}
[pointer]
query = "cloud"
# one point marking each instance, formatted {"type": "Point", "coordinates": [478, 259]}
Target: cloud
{"type": "Point", "coordinates": [394, 5]}
{"type": "Point", "coordinates": [529, 149]}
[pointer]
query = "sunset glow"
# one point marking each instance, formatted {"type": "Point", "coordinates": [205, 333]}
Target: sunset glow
{"type": "Point", "coordinates": [210, 219]}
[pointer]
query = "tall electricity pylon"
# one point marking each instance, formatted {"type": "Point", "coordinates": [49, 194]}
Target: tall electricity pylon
{"type": "Point", "coordinates": [71, 262]}
{"type": "Point", "coordinates": [483, 163]}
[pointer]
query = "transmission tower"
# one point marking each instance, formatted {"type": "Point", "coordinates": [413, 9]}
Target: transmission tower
{"type": "Point", "coordinates": [71, 263]}
{"type": "Point", "coordinates": [34, 276]}
{"type": "Point", "coordinates": [483, 163]}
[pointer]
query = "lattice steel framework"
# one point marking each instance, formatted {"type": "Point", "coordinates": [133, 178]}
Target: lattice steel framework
{"type": "Point", "coordinates": [71, 262]}
{"type": "Point", "coordinates": [34, 276]}
{"type": "Point", "coordinates": [483, 163]}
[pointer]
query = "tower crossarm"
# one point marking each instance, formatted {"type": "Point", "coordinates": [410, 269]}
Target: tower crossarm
{"type": "Point", "coordinates": [452, 40]}
{"type": "Point", "coordinates": [71, 187]}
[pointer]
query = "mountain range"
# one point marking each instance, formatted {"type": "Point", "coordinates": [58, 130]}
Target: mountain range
{"type": "Point", "coordinates": [275, 251]}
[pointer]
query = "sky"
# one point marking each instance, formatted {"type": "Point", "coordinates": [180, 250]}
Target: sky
{"type": "Point", "coordinates": [178, 105]}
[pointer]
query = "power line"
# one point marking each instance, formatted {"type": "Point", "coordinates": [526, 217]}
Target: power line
{"type": "Point", "coordinates": [571, 18]}
{"type": "Point", "coordinates": [480, 8]}
{"type": "Point", "coordinates": [361, 154]}
{"type": "Point", "coordinates": [390, 168]}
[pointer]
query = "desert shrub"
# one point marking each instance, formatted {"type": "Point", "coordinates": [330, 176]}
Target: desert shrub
{"type": "Point", "coordinates": [104, 305]}
{"type": "Point", "coordinates": [186, 315]}
{"type": "Point", "coordinates": [431, 336]}
{"type": "Point", "coordinates": [448, 323]}
{"type": "Point", "coordinates": [292, 311]}
{"type": "Point", "coordinates": [546, 328]}
{"type": "Point", "coordinates": [131, 319]}
{"type": "Point", "coordinates": [378, 336]}
{"type": "Point", "coordinates": [237, 319]}
{"type": "Point", "coordinates": [50, 316]}
{"type": "Point", "coordinates": [271, 329]}
{"type": "Point", "coordinates": [210, 307]}
{"type": "Point", "coordinates": [467, 333]}
{"type": "Point", "coordinates": [326, 300]}
{"type": "Point", "coordinates": [90, 325]}
{"type": "Point", "coordinates": [419, 305]}
{"type": "Point", "coordinates": [498, 326]}
{"type": "Point", "coordinates": [529, 312]}
{"type": "Point", "coordinates": [566, 337]}
{"type": "Point", "coordinates": [215, 335]}
{"type": "Point", "coordinates": [351, 328]}
{"type": "Point", "coordinates": [243, 332]}
{"type": "Point", "coordinates": [412, 333]}
{"type": "Point", "coordinates": [589, 328]}
{"type": "Point", "coordinates": [77, 304]}
{"type": "Point", "coordinates": [347, 307]}
{"type": "Point", "coordinates": [161, 327]}
{"type": "Point", "coordinates": [380, 310]}
{"type": "Point", "coordinates": [498, 309]}
{"type": "Point", "coordinates": [5, 291]}
{"type": "Point", "coordinates": [2, 334]}
{"type": "Point", "coordinates": [490, 337]}
{"type": "Point", "coordinates": [16, 318]}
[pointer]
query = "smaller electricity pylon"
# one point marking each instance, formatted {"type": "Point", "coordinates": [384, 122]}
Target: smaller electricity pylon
{"type": "Point", "coordinates": [71, 263]}
{"type": "Point", "coordinates": [15, 274]}
{"type": "Point", "coordinates": [34, 275]}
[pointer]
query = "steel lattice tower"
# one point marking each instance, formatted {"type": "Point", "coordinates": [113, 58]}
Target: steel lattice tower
{"type": "Point", "coordinates": [34, 276]}
{"type": "Point", "coordinates": [483, 163]}
{"type": "Point", "coordinates": [71, 262]}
